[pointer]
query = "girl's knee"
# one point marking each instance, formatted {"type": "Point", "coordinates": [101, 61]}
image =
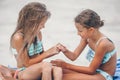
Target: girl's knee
{"type": "Point", "coordinates": [57, 70]}
{"type": "Point", "coordinates": [23, 76]}
{"type": "Point", "coordinates": [46, 66]}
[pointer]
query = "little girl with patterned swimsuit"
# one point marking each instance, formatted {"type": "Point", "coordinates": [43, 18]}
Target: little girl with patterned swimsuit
{"type": "Point", "coordinates": [101, 54]}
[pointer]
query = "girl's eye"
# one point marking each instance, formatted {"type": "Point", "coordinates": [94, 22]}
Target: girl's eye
{"type": "Point", "coordinates": [79, 31]}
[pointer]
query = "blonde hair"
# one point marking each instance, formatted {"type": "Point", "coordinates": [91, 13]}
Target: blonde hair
{"type": "Point", "coordinates": [29, 19]}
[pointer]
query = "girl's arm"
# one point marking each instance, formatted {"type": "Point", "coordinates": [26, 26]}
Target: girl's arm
{"type": "Point", "coordinates": [95, 64]}
{"type": "Point", "coordinates": [22, 56]}
{"type": "Point", "coordinates": [50, 52]}
{"type": "Point", "coordinates": [73, 55]}
{"type": "Point", "coordinates": [65, 65]}
{"type": "Point", "coordinates": [30, 61]}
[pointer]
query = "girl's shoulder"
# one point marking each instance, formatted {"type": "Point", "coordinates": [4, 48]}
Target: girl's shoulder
{"type": "Point", "coordinates": [106, 43]}
{"type": "Point", "coordinates": [17, 38]}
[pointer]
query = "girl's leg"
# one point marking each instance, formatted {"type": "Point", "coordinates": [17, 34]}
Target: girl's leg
{"type": "Point", "coordinates": [80, 76]}
{"type": "Point", "coordinates": [47, 72]}
{"type": "Point", "coordinates": [57, 73]}
{"type": "Point", "coordinates": [34, 72]}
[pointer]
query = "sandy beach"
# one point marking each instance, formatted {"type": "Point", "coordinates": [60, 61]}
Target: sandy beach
{"type": "Point", "coordinates": [60, 27]}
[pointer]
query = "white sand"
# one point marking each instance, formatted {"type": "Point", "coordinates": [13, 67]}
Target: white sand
{"type": "Point", "coordinates": [60, 27]}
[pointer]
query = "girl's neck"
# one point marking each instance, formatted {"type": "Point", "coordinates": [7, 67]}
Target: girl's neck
{"type": "Point", "coordinates": [96, 36]}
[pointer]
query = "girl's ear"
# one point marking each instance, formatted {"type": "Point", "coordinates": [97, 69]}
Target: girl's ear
{"type": "Point", "coordinates": [91, 29]}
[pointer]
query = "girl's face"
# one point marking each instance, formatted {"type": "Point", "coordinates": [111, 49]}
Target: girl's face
{"type": "Point", "coordinates": [82, 31]}
{"type": "Point", "coordinates": [42, 23]}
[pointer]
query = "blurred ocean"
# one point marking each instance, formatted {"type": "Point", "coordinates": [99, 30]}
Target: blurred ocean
{"type": "Point", "coordinates": [60, 27]}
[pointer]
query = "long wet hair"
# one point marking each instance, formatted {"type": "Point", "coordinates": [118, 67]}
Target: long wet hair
{"type": "Point", "coordinates": [89, 18]}
{"type": "Point", "coordinates": [29, 19]}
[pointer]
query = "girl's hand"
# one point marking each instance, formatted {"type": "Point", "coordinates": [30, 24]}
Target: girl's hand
{"type": "Point", "coordinates": [52, 51]}
{"type": "Point", "coordinates": [58, 62]}
{"type": "Point", "coordinates": [61, 47]}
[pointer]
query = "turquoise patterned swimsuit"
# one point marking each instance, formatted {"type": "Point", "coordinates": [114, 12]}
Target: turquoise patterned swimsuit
{"type": "Point", "coordinates": [35, 48]}
{"type": "Point", "coordinates": [91, 54]}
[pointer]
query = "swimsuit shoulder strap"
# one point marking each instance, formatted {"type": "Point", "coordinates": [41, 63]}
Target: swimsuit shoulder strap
{"type": "Point", "coordinates": [100, 40]}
